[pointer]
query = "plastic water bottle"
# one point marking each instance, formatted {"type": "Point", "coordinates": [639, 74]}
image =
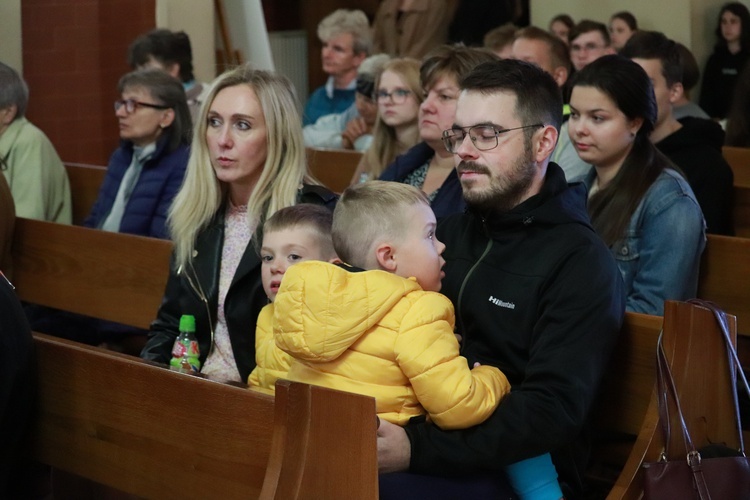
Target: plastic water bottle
{"type": "Point", "coordinates": [185, 352]}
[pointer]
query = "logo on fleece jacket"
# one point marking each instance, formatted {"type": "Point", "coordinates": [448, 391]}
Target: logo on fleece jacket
{"type": "Point", "coordinates": [502, 303]}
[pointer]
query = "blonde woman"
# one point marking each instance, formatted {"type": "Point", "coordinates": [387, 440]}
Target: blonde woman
{"type": "Point", "coordinates": [398, 95]}
{"type": "Point", "coordinates": [247, 161]}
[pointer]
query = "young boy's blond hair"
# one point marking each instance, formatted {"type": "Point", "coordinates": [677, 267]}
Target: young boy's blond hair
{"type": "Point", "coordinates": [369, 213]}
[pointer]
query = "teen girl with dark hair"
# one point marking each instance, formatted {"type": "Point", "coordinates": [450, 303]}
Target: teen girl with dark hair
{"type": "Point", "coordinates": [639, 203]}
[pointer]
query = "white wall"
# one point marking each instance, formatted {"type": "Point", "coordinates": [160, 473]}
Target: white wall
{"type": "Point", "coordinates": [196, 18]}
{"type": "Point", "coordinates": [690, 22]}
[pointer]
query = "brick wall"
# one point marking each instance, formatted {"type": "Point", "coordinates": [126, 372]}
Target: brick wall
{"type": "Point", "coordinates": [74, 52]}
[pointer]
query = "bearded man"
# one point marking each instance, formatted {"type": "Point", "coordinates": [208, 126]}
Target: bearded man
{"type": "Point", "coordinates": [536, 292]}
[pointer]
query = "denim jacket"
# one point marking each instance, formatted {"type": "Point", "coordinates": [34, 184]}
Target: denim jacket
{"type": "Point", "coordinates": [659, 256]}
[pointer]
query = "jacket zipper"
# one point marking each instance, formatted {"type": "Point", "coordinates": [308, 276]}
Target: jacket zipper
{"type": "Point", "coordinates": [463, 331]}
{"type": "Point", "coordinates": [202, 296]}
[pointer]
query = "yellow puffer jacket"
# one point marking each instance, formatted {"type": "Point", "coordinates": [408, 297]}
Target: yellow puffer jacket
{"type": "Point", "coordinates": [377, 334]}
{"type": "Point", "coordinates": [271, 363]}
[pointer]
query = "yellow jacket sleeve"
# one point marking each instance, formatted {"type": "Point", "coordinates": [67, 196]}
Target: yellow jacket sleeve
{"type": "Point", "coordinates": [271, 363]}
{"type": "Point", "coordinates": [455, 396]}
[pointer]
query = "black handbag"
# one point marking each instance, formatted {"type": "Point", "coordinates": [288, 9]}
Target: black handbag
{"type": "Point", "coordinates": [726, 476]}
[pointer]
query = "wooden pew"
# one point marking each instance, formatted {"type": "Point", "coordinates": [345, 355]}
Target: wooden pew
{"type": "Point", "coordinates": [150, 432]}
{"type": "Point", "coordinates": [333, 167]}
{"type": "Point", "coordinates": [111, 276]}
{"type": "Point", "coordinates": [725, 277]}
{"type": "Point", "coordinates": [739, 160]}
{"type": "Point", "coordinates": [625, 395]}
{"type": "Point", "coordinates": [85, 181]}
{"type": "Point", "coordinates": [697, 356]}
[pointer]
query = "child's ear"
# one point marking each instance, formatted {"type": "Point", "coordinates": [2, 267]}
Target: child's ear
{"type": "Point", "coordinates": [386, 257]}
{"type": "Point", "coordinates": [335, 260]}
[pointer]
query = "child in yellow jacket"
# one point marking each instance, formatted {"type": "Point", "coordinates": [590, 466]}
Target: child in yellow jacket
{"type": "Point", "coordinates": [292, 235]}
{"type": "Point", "coordinates": [380, 329]}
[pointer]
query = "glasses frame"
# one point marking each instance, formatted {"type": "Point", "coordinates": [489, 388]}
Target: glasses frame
{"type": "Point", "coordinates": [381, 96]}
{"type": "Point", "coordinates": [131, 105]}
{"type": "Point", "coordinates": [448, 137]}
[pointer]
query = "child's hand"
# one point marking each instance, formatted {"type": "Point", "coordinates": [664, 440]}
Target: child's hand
{"type": "Point", "coordinates": [477, 363]}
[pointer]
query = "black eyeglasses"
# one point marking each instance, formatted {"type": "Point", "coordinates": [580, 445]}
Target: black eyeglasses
{"type": "Point", "coordinates": [131, 105]}
{"type": "Point", "coordinates": [484, 137]}
{"type": "Point", "coordinates": [398, 96]}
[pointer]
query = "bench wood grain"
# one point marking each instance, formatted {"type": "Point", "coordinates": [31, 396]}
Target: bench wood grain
{"type": "Point", "coordinates": [150, 432]}
{"type": "Point", "coordinates": [111, 276]}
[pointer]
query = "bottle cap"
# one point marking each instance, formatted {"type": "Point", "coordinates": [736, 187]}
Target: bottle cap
{"type": "Point", "coordinates": [187, 323]}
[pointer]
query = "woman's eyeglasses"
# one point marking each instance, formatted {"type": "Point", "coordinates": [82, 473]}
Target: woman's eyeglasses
{"type": "Point", "coordinates": [398, 96]}
{"type": "Point", "coordinates": [131, 105]}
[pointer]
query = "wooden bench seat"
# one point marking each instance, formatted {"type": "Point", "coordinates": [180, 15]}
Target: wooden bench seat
{"type": "Point", "coordinates": [150, 432]}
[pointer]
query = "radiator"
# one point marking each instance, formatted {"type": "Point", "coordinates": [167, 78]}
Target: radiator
{"type": "Point", "coordinates": [289, 50]}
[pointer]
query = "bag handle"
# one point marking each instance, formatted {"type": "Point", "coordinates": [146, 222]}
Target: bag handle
{"type": "Point", "coordinates": [666, 387]}
{"type": "Point", "coordinates": [664, 378]}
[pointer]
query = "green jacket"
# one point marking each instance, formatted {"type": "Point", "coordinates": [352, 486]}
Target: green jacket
{"type": "Point", "coordinates": [35, 173]}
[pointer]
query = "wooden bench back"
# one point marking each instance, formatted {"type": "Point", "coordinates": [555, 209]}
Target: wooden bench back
{"type": "Point", "coordinates": [333, 167]}
{"type": "Point", "coordinates": [150, 432]}
{"type": "Point", "coordinates": [111, 276]}
{"type": "Point", "coordinates": [85, 181]}
{"type": "Point", "coordinates": [695, 351]}
{"type": "Point", "coordinates": [725, 277]}
{"type": "Point", "coordinates": [739, 160]}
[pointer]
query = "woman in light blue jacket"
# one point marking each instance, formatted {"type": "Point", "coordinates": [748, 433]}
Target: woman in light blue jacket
{"type": "Point", "coordinates": [639, 202]}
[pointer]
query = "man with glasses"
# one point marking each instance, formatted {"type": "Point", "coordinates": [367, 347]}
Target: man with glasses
{"type": "Point", "coordinates": [535, 289]}
{"type": "Point", "coordinates": [589, 41]}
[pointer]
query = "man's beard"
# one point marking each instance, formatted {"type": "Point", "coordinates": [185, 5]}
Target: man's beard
{"type": "Point", "coordinates": [504, 192]}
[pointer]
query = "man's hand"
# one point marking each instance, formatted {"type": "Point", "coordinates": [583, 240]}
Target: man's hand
{"type": "Point", "coordinates": [355, 128]}
{"type": "Point", "coordinates": [394, 449]}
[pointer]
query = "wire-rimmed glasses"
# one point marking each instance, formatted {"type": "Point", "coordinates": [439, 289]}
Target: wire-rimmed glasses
{"type": "Point", "coordinates": [484, 137]}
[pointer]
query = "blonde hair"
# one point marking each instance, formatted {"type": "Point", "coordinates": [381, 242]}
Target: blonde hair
{"type": "Point", "coordinates": [352, 21]}
{"type": "Point", "coordinates": [284, 170]}
{"type": "Point", "coordinates": [385, 146]}
{"type": "Point", "coordinates": [368, 214]}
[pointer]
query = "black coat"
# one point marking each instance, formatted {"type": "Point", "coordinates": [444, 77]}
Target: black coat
{"type": "Point", "coordinates": [195, 290]}
{"type": "Point", "coordinates": [16, 382]}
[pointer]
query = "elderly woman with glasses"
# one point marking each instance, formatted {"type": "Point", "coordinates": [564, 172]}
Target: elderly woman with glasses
{"type": "Point", "coordinates": [146, 170]}
{"type": "Point", "coordinates": [428, 165]}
